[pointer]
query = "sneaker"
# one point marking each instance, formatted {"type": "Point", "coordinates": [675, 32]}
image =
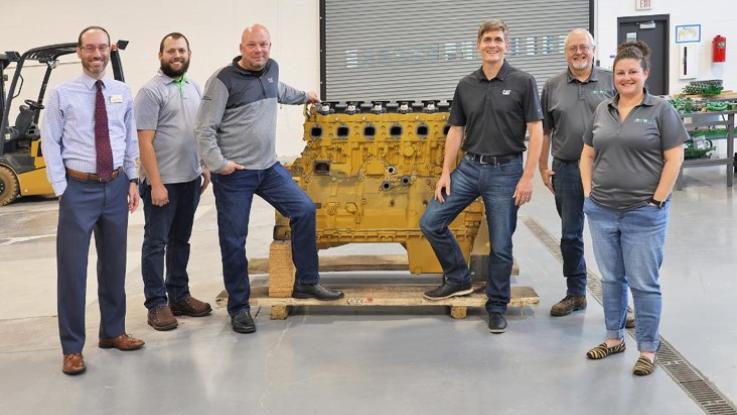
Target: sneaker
{"type": "Point", "coordinates": [161, 318]}
{"type": "Point", "coordinates": [449, 289]}
{"type": "Point", "coordinates": [497, 323]}
{"type": "Point", "coordinates": [243, 322]}
{"type": "Point", "coordinates": [568, 305]}
{"type": "Point", "coordinates": [190, 306]}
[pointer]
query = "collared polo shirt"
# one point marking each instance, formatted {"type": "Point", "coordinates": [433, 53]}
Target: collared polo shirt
{"type": "Point", "coordinates": [171, 111]}
{"type": "Point", "coordinates": [629, 153]}
{"type": "Point", "coordinates": [568, 106]}
{"type": "Point", "coordinates": [495, 112]}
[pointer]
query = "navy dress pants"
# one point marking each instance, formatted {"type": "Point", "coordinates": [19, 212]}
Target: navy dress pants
{"type": "Point", "coordinates": [88, 207]}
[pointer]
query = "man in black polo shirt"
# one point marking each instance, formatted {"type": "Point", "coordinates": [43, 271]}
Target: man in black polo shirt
{"type": "Point", "coordinates": [493, 108]}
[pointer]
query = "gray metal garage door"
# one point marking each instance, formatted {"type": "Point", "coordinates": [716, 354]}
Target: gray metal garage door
{"type": "Point", "coordinates": [419, 49]}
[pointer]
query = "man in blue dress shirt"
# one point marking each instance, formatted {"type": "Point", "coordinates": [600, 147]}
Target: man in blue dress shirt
{"type": "Point", "coordinates": [90, 146]}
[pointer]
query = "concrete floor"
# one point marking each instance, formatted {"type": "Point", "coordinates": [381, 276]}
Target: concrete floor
{"type": "Point", "coordinates": [367, 361]}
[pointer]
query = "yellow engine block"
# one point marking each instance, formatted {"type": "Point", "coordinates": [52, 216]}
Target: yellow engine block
{"type": "Point", "coordinates": [372, 173]}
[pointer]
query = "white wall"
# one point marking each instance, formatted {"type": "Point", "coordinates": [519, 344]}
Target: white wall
{"type": "Point", "coordinates": [213, 28]}
{"type": "Point", "coordinates": [714, 16]}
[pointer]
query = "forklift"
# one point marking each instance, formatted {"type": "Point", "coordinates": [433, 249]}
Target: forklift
{"type": "Point", "coordinates": [22, 167]}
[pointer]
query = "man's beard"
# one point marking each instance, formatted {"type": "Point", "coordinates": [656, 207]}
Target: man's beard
{"type": "Point", "coordinates": [173, 73]}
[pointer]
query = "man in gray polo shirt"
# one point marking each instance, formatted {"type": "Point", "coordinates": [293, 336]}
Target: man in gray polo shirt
{"type": "Point", "coordinates": [165, 109]}
{"type": "Point", "coordinates": [569, 100]}
{"type": "Point", "coordinates": [492, 109]}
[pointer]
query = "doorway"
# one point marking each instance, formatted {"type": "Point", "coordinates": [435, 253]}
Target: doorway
{"type": "Point", "coordinates": [652, 30]}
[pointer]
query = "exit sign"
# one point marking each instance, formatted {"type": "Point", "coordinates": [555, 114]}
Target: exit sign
{"type": "Point", "coordinates": [643, 4]}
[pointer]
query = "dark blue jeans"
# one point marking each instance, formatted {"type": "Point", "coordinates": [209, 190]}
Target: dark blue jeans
{"type": "Point", "coordinates": [166, 234]}
{"type": "Point", "coordinates": [88, 207]}
{"type": "Point", "coordinates": [495, 184]}
{"type": "Point", "coordinates": [233, 198]}
{"type": "Point", "coordinates": [569, 202]}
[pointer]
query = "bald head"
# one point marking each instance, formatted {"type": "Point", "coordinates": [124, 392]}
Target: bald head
{"type": "Point", "coordinates": [255, 47]}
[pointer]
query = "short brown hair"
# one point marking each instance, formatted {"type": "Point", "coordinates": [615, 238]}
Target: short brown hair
{"type": "Point", "coordinates": [175, 36]}
{"type": "Point", "coordinates": [637, 50]}
{"type": "Point", "coordinates": [87, 29]}
{"type": "Point", "coordinates": [492, 26]}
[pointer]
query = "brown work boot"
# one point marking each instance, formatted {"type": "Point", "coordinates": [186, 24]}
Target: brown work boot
{"type": "Point", "coordinates": [568, 304]}
{"type": "Point", "coordinates": [123, 342]}
{"type": "Point", "coordinates": [190, 306]}
{"type": "Point", "coordinates": [161, 318]}
{"type": "Point", "coordinates": [629, 323]}
{"type": "Point", "coordinates": [73, 364]}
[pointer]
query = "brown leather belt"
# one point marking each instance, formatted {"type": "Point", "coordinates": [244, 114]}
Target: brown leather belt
{"type": "Point", "coordinates": [92, 177]}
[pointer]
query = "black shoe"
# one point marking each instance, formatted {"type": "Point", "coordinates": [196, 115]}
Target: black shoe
{"type": "Point", "coordinates": [497, 323]}
{"type": "Point", "coordinates": [315, 291]}
{"type": "Point", "coordinates": [243, 322]}
{"type": "Point", "coordinates": [449, 289]}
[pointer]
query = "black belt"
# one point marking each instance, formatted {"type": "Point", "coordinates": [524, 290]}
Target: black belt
{"type": "Point", "coordinates": [566, 161]}
{"type": "Point", "coordinates": [497, 160]}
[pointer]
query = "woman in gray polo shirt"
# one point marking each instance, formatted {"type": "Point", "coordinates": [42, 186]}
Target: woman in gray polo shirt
{"type": "Point", "coordinates": [630, 162]}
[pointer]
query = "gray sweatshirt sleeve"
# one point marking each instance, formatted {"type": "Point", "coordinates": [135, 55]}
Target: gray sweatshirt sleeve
{"type": "Point", "coordinates": [289, 95]}
{"type": "Point", "coordinates": [209, 117]}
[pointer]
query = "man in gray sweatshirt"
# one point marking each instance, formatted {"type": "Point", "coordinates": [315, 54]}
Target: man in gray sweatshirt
{"type": "Point", "coordinates": [236, 133]}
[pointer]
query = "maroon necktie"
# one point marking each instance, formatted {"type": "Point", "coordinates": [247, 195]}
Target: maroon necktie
{"type": "Point", "coordinates": [102, 137]}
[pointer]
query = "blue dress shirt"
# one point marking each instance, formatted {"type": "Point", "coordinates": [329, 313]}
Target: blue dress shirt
{"type": "Point", "coordinates": [68, 129]}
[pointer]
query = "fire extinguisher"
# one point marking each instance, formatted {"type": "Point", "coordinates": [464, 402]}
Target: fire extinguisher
{"type": "Point", "coordinates": [719, 49]}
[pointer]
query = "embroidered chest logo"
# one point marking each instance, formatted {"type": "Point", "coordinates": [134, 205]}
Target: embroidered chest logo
{"type": "Point", "coordinates": [643, 121]}
{"type": "Point", "coordinates": [270, 79]}
{"type": "Point", "coordinates": [506, 91]}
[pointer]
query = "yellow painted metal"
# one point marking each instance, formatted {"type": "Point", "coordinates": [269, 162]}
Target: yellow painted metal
{"type": "Point", "coordinates": [35, 182]}
{"type": "Point", "coordinates": [372, 176]}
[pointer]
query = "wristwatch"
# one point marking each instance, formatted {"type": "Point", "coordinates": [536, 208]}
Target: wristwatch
{"type": "Point", "coordinates": [658, 203]}
{"type": "Point", "coordinates": [134, 181]}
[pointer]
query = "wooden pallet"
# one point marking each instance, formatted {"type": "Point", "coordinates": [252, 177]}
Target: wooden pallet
{"type": "Point", "coordinates": [278, 293]}
{"type": "Point", "coordinates": [366, 294]}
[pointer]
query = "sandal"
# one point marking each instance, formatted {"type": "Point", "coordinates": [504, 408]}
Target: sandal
{"type": "Point", "coordinates": [601, 351]}
{"type": "Point", "coordinates": [643, 366]}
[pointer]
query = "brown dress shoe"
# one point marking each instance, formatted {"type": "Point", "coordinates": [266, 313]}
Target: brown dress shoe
{"type": "Point", "coordinates": [190, 306]}
{"type": "Point", "coordinates": [161, 318]}
{"type": "Point", "coordinates": [123, 342]}
{"type": "Point", "coordinates": [73, 364]}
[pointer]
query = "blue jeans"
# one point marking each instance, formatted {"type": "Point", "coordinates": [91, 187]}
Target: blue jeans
{"type": "Point", "coordinates": [495, 183]}
{"type": "Point", "coordinates": [233, 198]}
{"type": "Point", "coordinates": [628, 247]}
{"type": "Point", "coordinates": [569, 202]}
{"type": "Point", "coordinates": [166, 234]}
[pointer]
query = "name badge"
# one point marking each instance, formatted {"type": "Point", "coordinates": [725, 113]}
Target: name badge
{"type": "Point", "coordinates": [116, 99]}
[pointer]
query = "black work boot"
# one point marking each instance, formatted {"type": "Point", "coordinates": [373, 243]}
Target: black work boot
{"type": "Point", "coordinates": [317, 291]}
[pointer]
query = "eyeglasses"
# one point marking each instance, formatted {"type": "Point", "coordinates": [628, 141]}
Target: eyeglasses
{"type": "Point", "coordinates": [582, 48]}
{"type": "Point", "coordinates": [93, 48]}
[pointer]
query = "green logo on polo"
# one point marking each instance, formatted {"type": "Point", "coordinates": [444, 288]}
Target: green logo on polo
{"type": "Point", "coordinates": [599, 91]}
{"type": "Point", "coordinates": [643, 120]}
